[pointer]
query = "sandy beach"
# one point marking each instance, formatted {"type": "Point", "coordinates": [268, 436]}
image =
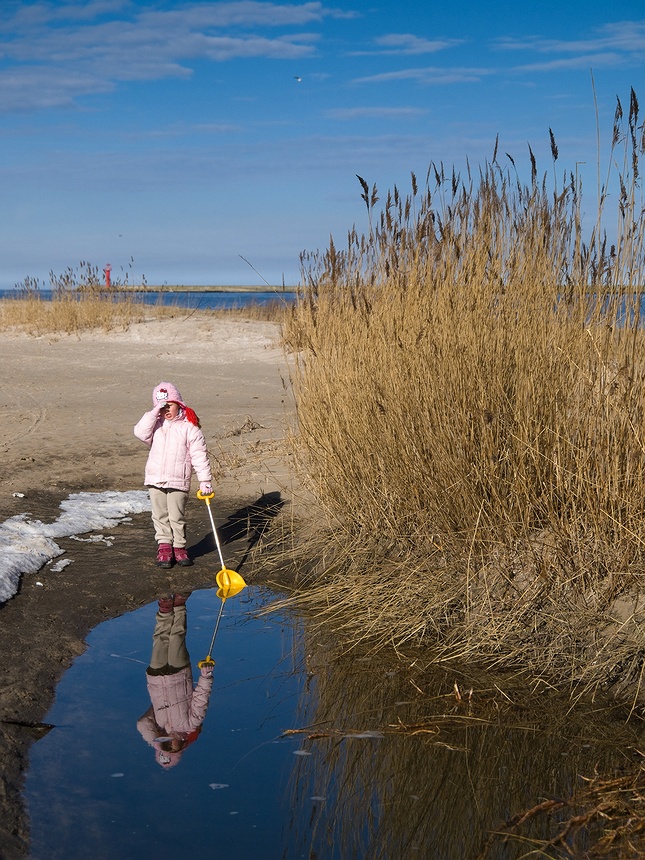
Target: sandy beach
{"type": "Point", "coordinates": [69, 405]}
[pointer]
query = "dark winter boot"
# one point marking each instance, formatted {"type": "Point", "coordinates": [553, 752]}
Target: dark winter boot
{"type": "Point", "coordinates": [164, 555]}
{"type": "Point", "coordinates": [180, 599]}
{"type": "Point", "coordinates": [181, 556]}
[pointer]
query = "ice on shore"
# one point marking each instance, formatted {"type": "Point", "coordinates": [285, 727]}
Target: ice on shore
{"type": "Point", "coordinates": [26, 545]}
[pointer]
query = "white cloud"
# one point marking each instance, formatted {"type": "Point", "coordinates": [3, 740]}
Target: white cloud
{"type": "Point", "coordinates": [613, 45]}
{"type": "Point", "coordinates": [16, 15]}
{"type": "Point", "coordinates": [53, 54]}
{"type": "Point", "coordinates": [85, 11]}
{"type": "Point", "coordinates": [375, 113]}
{"type": "Point", "coordinates": [184, 130]}
{"type": "Point", "coordinates": [36, 88]}
{"type": "Point", "coordinates": [428, 75]}
{"type": "Point", "coordinates": [586, 61]}
{"type": "Point", "coordinates": [407, 43]}
{"type": "Point", "coordinates": [625, 36]}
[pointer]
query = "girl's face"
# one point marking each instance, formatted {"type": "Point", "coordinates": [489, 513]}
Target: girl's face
{"type": "Point", "coordinates": [170, 410]}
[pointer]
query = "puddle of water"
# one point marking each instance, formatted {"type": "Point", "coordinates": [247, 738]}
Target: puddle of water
{"type": "Point", "coordinates": [356, 789]}
{"type": "Point", "coordinates": [94, 788]}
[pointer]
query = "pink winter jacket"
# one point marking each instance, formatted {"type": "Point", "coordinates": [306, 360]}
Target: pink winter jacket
{"type": "Point", "coordinates": [176, 448]}
{"type": "Point", "coordinates": [177, 708]}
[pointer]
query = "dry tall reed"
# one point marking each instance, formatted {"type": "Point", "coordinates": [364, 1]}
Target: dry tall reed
{"type": "Point", "coordinates": [71, 314]}
{"type": "Point", "coordinates": [470, 396]}
{"type": "Point", "coordinates": [79, 302]}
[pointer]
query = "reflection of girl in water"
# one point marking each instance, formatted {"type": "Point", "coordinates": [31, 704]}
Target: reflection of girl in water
{"type": "Point", "coordinates": [175, 717]}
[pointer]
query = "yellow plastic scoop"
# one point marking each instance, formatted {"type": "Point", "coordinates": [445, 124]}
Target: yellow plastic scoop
{"type": "Point", "coordinates": [230, 581]}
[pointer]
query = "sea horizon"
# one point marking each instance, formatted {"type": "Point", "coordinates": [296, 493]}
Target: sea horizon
{"type": "Point", "coordinates": [175, 288]}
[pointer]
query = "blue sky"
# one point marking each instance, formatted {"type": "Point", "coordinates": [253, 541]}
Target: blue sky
{"type": "Point", "coordinates": [172, 138]}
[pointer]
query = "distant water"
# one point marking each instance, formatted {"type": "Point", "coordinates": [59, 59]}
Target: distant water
{"type": "Point", "coordinates": [206, 300]}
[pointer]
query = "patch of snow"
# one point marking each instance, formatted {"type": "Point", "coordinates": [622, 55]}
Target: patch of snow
{"type": "Point", "coordinates": [26, 545]}
{"type": "Point", "coordinates": [94, 539]}
{"type": "Point", "coordinates": [60, 565]}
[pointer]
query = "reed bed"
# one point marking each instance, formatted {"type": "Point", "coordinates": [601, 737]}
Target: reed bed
{"type": "Point", "coordinates": [79, 302]}
{"type": "Point", "coordinates": [71, 313]}
{"type": "Point", "coordinates": [277, 311]}
{"type": "Point", "coordinates": [469, 387]}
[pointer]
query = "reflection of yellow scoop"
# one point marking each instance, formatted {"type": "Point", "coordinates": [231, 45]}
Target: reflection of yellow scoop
{"type": "Point", "coordinates": [230, 583]}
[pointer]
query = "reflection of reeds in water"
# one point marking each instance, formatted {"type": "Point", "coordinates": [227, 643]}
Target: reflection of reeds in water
{"type": "Point", "coordinates": [606, 818]}
{"type": "Point", "coordinates": [471, 422]}
{"type": "Point", "coordinates": [450, 766]}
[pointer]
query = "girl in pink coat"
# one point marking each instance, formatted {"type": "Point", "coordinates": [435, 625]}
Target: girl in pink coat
{"type": "Point", "coordinates": [177, 447]}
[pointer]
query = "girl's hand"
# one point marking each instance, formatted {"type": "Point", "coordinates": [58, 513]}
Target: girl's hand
{"type": "Point", "coordinates": [205, 488]}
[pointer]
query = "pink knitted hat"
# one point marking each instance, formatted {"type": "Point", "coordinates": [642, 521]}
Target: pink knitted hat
{"type": "Point", "coordinates": [166, 392]}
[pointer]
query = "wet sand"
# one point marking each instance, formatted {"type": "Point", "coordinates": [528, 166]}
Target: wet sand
{"type": "Point", "coordinates": [68, 407]}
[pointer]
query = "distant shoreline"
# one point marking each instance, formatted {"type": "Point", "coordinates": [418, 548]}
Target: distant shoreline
{"type": "Point", "coordinates": [195, 288]}
{"type": "Point", "coordinates": [163, 288]}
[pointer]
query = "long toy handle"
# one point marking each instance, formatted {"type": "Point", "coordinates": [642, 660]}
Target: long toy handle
{"type": "Point", "coordinates": [206, 497]}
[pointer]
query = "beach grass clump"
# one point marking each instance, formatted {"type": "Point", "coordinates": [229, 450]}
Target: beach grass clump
{"type": "Point", "coordinates": [78, 302]}
{"type": "Point", "coordinates": [71, 314]}
{"type": "Point", "coordinates": [470, 394]}
{"type": "Point", "coordinates": [276, 310]}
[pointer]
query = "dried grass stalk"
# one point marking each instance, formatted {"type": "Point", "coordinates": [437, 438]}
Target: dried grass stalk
{"type": "Point", "coordinates": [469, 388]}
